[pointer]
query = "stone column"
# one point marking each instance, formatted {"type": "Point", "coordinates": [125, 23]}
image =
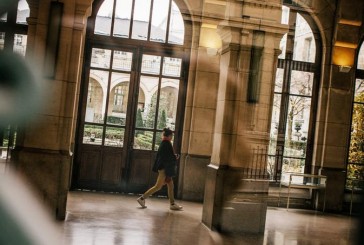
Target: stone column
{"type": "Point", "coordinates": [224, 137]}
{"type": "Point", "coordinates": [236, 188]}
{"type": "Point", "coordinates": [44, 152]}
{"type": "Point", "coordinates": [200, 105]}
{"type": "Point", "coordinates": [228, 172]}
{"type": "Point", "coordinates": [334, 113]}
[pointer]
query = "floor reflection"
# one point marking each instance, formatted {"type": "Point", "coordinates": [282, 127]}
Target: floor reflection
{"type": "Point", "coordinates": [96, 218]}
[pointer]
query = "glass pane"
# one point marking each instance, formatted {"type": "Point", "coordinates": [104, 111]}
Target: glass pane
{"type": "Point", "coordinates": [96, 97]}
{"type": "Point", "coordinates": [172, 66]}
{"type": "Point", "coordinates": [141, 116]}
{"type": "Point", "coordinates": [159, 21]}
{"type": "Point", "coordinates": [147, 102]}
{"type": "Point", "coordinates": [118, 99]}
{"type": "Point", "coordinates": [361, 58]}
{"type": "Point", "coordinates": [2, 40]}
{"type": "Point", "coordinates": [304, 46]}
{"type": "Point", "coordinates": [6, 135]}
{"type": "Point", "coordinates": [122, 60]}
{"type": "Point", "coordinates": [20, 44]}
{"type": "Point", "coordinates": [176, 26]}
{"type": "Point", "coordinates": [298, 119]}
{"type": "Point", "coordinates": [92, 134]}
{"type": "Point", "coordinates": [279, 80]}
{"type": "Point", "coordinates": [151, 64]}
{"type": "Point", "coordinates": [168, 103]}
{"type": "Point", "coordinates": [274, 124]}
{"type": "Point", "coordinates": [283, 47]}
{"type": "Point", "coordinates": [359, 90]}
{"type": "Point", "coordinates": [143, 140]}
{"type": "Point", "coordinates": [355, 175]}
{"type": "Point", "coordinates": [101, 58]}
{"type": "Point", "coordinates": [4, 17]}
{"type": "Point", "coordinates": [271, 167]}
{"type": "Point", "coordinates": [114, 137]}
{"type": "Point", "coordinates": [301, 83]}
{"type": "Point", "coordinates": [122, 18]}
{"type": "Point", "coordinates": [104, 18]}
{"type": "Point", "coordinates": [141, 19]}
{"type": "Point", "coordinates": [293, 165]}
{"type": "Point", "coordinates": [356, 150]}
{"type": "Point", "coordinates": [23, 12]}
{"type": "Point", "coordinates": [285, 15]}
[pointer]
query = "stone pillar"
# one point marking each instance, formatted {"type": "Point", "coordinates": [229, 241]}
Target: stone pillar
{"type": "Point", "coordinates": [224, 136]}
{"type": "Point", "coordinates": [200, 108]}
{"type": "Point", "coordinates": [333, 126]}
{"type": "Point", "coordinates": [234, 191]}
{"type": "Point", "coordinates": [231, 195]}
{"type": "Point", "coordinates": [43, 153]}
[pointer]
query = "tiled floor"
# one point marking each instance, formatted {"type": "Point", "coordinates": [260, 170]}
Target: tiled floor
{"type": "Point", "coordinates": [97, 218]}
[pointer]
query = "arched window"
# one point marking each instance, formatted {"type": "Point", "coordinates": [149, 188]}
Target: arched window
{"type": "Point", "coordinates": [156, 21]}
{"type": "Point", "coordinates": [295, 93]}
{"type": "Point", "coordinates": [355, 167]}
{"type": "Point", "coordinates": [135, 69]}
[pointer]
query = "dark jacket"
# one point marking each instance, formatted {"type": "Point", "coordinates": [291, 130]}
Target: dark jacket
{"type": "Point", "coordinates": [165, 159]}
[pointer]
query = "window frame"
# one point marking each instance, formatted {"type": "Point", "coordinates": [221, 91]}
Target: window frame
{"type": "Point", "coordinates": [359, 74]}
{"type": "Point", "coordinates": [8, 30]}
{"type": "Point", "coordinates": [288, 64]}
{"type": "Point", "coordinates": [10, 27]}
{"type": "Point", "coordinates": [138, 47]}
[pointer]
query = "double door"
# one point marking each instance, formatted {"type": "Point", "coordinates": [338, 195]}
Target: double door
{"type": "Point", "coordinates": [128, 96]}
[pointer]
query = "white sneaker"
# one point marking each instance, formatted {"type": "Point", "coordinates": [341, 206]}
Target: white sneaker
{"type": "Point", "coordinates": [141, 201]}
{"type": "Point", "coordinates": [175, 206]}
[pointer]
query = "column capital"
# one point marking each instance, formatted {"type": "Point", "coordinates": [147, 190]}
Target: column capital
{"type": "Point", "coordinates": [82, 12]}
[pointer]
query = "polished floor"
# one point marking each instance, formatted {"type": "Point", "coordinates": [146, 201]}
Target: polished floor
{"type": "Point", "coordinates": [99, 218]}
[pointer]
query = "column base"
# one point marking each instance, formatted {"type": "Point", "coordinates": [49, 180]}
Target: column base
{"type": "Point", "coordinates": [49, 174]}
{"type": "Point", "coordinates": [335, 187]}
{"type": "Point", "coordinates": [233, 204]}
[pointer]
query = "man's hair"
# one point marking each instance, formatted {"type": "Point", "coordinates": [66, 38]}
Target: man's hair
{"type": "Point", "coordinates": [167, 132]}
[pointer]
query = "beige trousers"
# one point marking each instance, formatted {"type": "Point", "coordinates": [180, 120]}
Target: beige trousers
{"type": "Point", "coordinates": [161, 181]}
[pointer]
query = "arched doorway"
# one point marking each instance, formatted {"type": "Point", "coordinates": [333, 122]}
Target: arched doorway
{"type": "Point", "coordinates": [134, 84]}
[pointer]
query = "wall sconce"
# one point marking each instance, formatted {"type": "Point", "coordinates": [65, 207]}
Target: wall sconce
{"type": "Point", "coordinates": [343, 56]}
{"type": "Point", "coordinates": [210, 39]}
{"type": "Point", "coordinates": [344, 69]}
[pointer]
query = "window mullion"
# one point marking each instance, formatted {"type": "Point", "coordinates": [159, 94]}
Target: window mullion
{"type": "Point", "coordinates": [168, 20]}
{"type": "Point", "coordinates": [113, 18]}
{"type": "Point", "coordinates": [107, 98]}
{"type": "Point", "coordinates": [150, 19]}
{"type": "Point", "coordinates": [131, 20]}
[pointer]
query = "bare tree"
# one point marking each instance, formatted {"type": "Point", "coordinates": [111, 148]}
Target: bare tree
{"type": "Point", "coordinates": [301, 84]}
